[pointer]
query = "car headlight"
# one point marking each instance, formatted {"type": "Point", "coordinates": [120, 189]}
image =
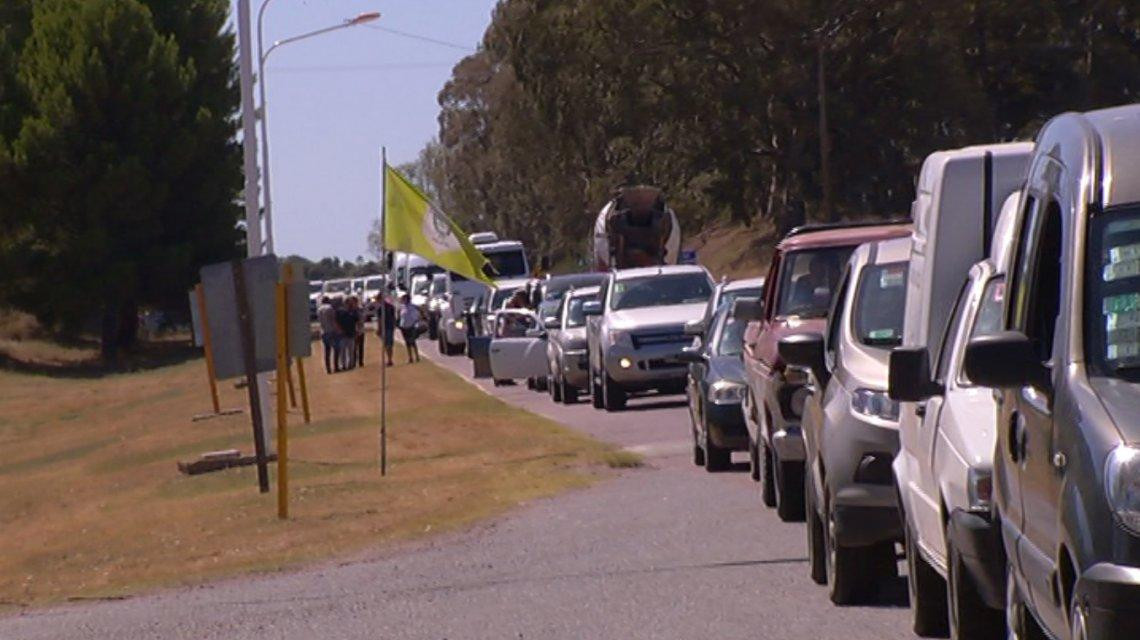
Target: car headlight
{"type": "Point", "coordinates": [459, 324]}
{"type": "Point", "coordinates": [874, 404]}
{"type": "Point", "coordinates": [726, 392]}
{"type": "Point", "coordinates": [1122, 486]}
{"type": "Point", "coordinates": [620, 338]}
{"type": "Point", "coordinates": [980, 489]}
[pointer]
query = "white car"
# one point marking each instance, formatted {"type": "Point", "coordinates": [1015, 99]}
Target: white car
{"type": "Point", "coordinates": [636, 331]}
{"type": "Point", "coordinates": [518, 346]}
{"type": "Point", "coordinates": [507, 261]}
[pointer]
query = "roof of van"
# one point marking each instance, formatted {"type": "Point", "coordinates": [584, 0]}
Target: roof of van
{"type": "Point", "coordinates": [893, 250]}
{"type": "Point", "coordinates": [665, 269]}
{"type": "Point", "coordinates": [934, 165]}
{"type": "Point", "coordinates": [844, 236]}
{"type": "Point", "coordinates": [1119, 131]}
{"type": "Point", "coordinates": [502, 245]}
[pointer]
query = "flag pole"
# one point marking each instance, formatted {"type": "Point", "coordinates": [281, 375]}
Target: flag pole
{"type": "Point", "coordinates": [384, 314]}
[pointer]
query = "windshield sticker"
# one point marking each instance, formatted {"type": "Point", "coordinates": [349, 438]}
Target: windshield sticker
{"type": "Point", "coordinates": [881, 334]}
{"type": "Point", "coordinates": [1123, 351]}
{"type": "Point", "coordinates": [1113, 321]}
{"type": "Point", "coordinates": [1124, 253]}
{"type": "Point", "coordinates": [1120, 270]}
{"type": "Point", "coordinates": [1122, 304]}
{"type": "Point", "coordinates": [891, 278]}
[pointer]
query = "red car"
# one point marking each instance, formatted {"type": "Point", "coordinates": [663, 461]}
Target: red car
{"type": "Point", "coordinates": [805, 268]}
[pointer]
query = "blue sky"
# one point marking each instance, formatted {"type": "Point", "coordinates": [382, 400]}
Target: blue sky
{"type": "Point", "coordinates": [336, 99]}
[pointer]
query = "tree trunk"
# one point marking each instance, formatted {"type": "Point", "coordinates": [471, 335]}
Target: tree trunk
{"type": "Point", "coordinates": [119, 329]}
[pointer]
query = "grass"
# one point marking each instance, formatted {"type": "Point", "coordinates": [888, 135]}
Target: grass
{"type": "Point", "coordinates": [623, 459]}
{"type": "Point", "coordinates": [92, 505]}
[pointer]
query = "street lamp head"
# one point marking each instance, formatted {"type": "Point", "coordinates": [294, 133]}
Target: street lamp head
{"type": "Point", "coordinates": [363, 18]}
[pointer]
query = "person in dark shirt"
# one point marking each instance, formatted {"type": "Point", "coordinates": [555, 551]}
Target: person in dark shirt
{"type": "Point", "coordinates": [347, 319]}
{"type": "Point", "coordinates": [386, 324]}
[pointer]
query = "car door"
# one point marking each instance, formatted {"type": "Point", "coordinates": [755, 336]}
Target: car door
{"type": "Point", "coordinates": [516, 358]}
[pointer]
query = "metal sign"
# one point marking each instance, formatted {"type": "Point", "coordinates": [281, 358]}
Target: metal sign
{"type": "Point", "coordinates": [260, 275]}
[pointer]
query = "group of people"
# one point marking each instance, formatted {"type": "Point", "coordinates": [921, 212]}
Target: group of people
{"type": "Point", "coordinates": [342, 329]}
{"type": "Point", "coordinates": [342, 332]}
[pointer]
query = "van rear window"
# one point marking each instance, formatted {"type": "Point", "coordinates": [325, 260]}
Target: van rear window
{"type": "Point", "coordinates": [1112, 278]}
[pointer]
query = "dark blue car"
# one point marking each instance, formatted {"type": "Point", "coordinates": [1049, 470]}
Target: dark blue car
{"type": "Point", "coordinates": [715, 388]}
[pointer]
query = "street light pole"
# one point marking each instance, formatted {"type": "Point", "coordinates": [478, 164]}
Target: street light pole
{"type": "Point", "coordinates": [264, 56]}
{"type": "Point", "coordinates": [249, 132]}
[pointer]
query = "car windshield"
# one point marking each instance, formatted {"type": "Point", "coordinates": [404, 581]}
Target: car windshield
{"type": "Point", "coordinates": [501, 296]}
{"type": "Point", "coordinates": [338, 287]}
{"type": "Point", "coordinates": [438, 286]}
{"type": "Point", "coordinates": [316, 287]}
{"type": "Point", "coordinates": [728, 297]}
{"type": "Point", "coordinates": [807, 280]}
{"type": "Point", "coordinates": [514, 325]}
{"type": "Point", "coordinates": [574, 315]}
{"type": "Point", "coordinates": [420, 287]}
{"type": "Point", "coordinates": [1112, 294]}
{"type": "Point", "coordinates": [660, 290]}
{"type": "Point", "coordinates": [879, 304]}
{"type": "Point", "coordinates": [507, 264]}
{"type": "Point", "coordinates": [374, 284]}
{"type": "Point", "coordinates": [549, 308]}
{"type": "Point", "coordinates": [730, 342]}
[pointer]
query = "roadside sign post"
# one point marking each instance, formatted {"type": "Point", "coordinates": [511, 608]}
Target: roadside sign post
{"type": "Point", "coordinates": [204, 322]}
{"type": "Point", "coordinates": [383, 318]}
{"type": "Point", "coordinates": [282, 410]}
{"type": "Point", "coordinates": [289, 379]}
{"type": "Point", "coordinates": [304, 390]}
{"type": "Point", "coordinates": [249, 357]}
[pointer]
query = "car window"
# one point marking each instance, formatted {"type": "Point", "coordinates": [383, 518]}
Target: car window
{"type": "Point", "coordinates": [730, 339]}
{"type": "Point", "coordinates": [1112, 294]}
{"type": "Point", "coordinates": [507, 264]}
{"type": "Point", "coordinates": [574, 315]}
{"type": "Point", "coordinates": [728, 297]}
{"type": "Point", "coordinates": [836, 314]}
{"type": "Point", "coordinates": [660, 290]}
{"type": "Point", "coordinates": [807, 280]}
{"type": "Point", "coordinates": [988, 317]}
{"type": "Point", "coordinates": [880, 300]}
{"type": "Point", "coordinates": [1039, 286]}
{"type": "Point", "coordinates": [946, 349]}
{"type": "Point", "coordinates": [500, 297]}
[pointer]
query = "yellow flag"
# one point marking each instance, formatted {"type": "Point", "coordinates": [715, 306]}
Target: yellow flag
{"type": "Point", "coordinates": [414, 225]}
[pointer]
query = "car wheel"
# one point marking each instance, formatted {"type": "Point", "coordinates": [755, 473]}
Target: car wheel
{"type": "Point", "coordinates": [716, 458]}
{"type": "Point", "coordinates": [817, 545]}
{"type": "Point", "coordinates": [1078, 623]}
{"type": "Point", "coordinates": [441, 344]}
{"type": "Point", "coordinates": [569, 393]}
{"type": "Point", "coordinates": [530, 385]}
{"type": "Point", "coordinates": [698, 452]}
{"type": "Point", "coordinates": [595, 392]}
{"type": "Point", "coordinates": [753, 462]}
{"type": "Point", "coordinates": [789, 490]}
{"type": "Point", "coordinates": [613, 396]}
{"type": "Point", "coordinates": [969, 617]}
{"type": "Point", "coordinates": [555, 388]}
{"type": "Point", "coordinates": [541, 385]}
{"type": "Point", "coordinates": [846, 568]}
{"type": "Point", "coordinates": [767, 476]}
{"type": "Point", "coordinates": [927, 592]}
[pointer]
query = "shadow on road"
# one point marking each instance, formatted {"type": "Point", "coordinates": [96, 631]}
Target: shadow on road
{"type": "Point", "coordinates": [657, 403]}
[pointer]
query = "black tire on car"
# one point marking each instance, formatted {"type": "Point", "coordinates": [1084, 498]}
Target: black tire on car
{"type": "Point", "coordinates": [816, 542]}
{"type": "Point", "coordinates": [555, 387]}
{"type": "Point", "coordinates": [969, 616]}
{"type": "Point", "coordinates": [595, 392]}
{"type": "Point", "coordinates": [767, 476]}
{"type": "Point", "coordinates": [753, 462]}
{"type": "Point", "coordinates": [789, 490]}
{"type": "Point", "coordinates": [846, 571]}
{"type": "Point", "coordinates": [698, 452]}
{"type": "Point", "coordinates": [1020, 623]}
{"type": "Point", "coordinates": [927, 593]}
{"type": "Point", "coordinates": [613, 396]}
{"type": "Point", "coordinates": [716, 458]}
{"type": "Point", "coordinates": [569, 393]}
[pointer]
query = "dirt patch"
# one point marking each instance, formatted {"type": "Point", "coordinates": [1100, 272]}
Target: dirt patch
{"type": "Point", "coordinates": [734, 250]}
{"type": "Point", "coordinates": [91, 503]}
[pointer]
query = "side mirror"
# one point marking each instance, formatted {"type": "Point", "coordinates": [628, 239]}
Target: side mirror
{"type": "Point", "coordinates": [748, 309]}
{"type": "Point", "coordinates": [552, 323]}
{"type": "Point", "coordinates": [805, 350]}
{"type": "Point", "coordinates": [695, 328]}
{"type": "Point", "coordinates": [1005, 360]}
{"type": "Point", "coordinates": [691, 356]}
{"type": "Point", "coordinates": [908, 375]}
{"type": "Point", "coordinates": [592, 308]}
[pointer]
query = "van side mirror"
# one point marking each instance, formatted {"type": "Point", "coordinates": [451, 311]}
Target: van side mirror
{"type": "Point", "coordinates": [592, 308]}
{"type": "Point", "coordinates": [1005, 360]}
{"type": "Point", "coordinates": [908, 376]}
{"type": "Point", "coordinates": [748, 309]}
{"type": "Point", "coordinates": [695, 328]}
{"type": "Point", "coordinates": [805, 350]}
{"type": "Point", "coordinates": [552, 323]}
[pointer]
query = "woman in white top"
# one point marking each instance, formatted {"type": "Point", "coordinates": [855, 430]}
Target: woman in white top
{"type": "Point", "coordinates": [409, 323]}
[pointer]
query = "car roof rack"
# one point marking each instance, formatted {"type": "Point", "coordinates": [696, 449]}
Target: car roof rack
{"type": "Point", "coordinates": [826, 226]}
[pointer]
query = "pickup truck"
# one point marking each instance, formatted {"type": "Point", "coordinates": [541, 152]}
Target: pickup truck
{"type": "Point", "coordinates": [636, 331]}
{"type": "Point", "coordinates": [805, 268]}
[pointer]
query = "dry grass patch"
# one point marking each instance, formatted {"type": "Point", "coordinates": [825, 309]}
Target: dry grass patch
{"type": "Point", "coordinates": [91, 503]}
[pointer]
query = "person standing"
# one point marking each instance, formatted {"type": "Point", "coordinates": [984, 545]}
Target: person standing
{"type": "Point", "coordinates": [346, 319]}
{"type": "Point", "coordinates": [330, 334]}
{"type": "Point", "coordinates": [386, 324]}
{"type": "Point", "coordinates": [409, 326]}
{"type": "Point", "coordinates": [358, 349]}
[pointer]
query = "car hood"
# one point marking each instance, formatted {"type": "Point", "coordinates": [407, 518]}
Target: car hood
{"type": "Point", "coordinates": [726, 368]}
{"type": "Point", "coordinates": [676, 314]}
{"type": "Point", "coordinates": [1121, 399]}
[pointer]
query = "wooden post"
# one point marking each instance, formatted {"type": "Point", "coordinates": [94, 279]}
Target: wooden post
{"type": "Point", "coordinates": [289, 378]}
{"type": "Point", "coordinates": [249, 357]}
{"type": "Point", "coordinates": [304, 390]}
{"type": "Point", "coordinates": [282, 415]}
{"type": "Point", "coordinates": [200, 294]}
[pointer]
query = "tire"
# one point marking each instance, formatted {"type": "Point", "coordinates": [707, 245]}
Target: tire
{"type": "Point", "coordinates": [530, 384]}
{"type": "Point", "coordinates": [613, 396]}
{"type": "Point", "coordinates": [767, 476]}
{"type": "Point", "coordinates": [816, 542]}
{"type": "Point", "coordinates": [927, 593]}
{"type": "Point", "coordinates": [789, 490]}
{"type": "Point", "coordinates": [595, 392]}
{"type": "Point", "coordinates": [569, 393]}
{"type": "Point", "coordinates": [716, 458]}
{"type": "Point", "coordinates": [753, 462]}
{"type": "Point", "coordinates": [1019, 622]}
{"type": "Point", "coordinates": [441, 345]}
{"type": "Point", "coordinates": [698, 452]}
{"type": "Point", "coordinates": [555, 389]}
{"type": "Point", "coordinates": [541, 384]}
{"type": "Point", "coordinates": [846, 570]}
{"type": "Point", "coordinates": [969, 617]}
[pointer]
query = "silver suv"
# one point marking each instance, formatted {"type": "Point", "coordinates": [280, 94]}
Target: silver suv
{"type": "Point", "coordinates": [850, 426]}
{"type": "Point", "coordinates": [636, 331]}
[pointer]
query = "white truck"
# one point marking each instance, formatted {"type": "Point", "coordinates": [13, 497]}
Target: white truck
{"type": "Point", "coordinates": [508, 261]}
{"type": "Point", "coordinates": [943, 476]}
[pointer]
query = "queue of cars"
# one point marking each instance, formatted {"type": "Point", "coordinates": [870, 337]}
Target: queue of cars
{"type": "Point", "coordinates": [963, 385]}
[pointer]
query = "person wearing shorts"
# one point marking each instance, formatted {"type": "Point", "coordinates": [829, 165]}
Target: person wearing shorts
{"type": "Point", "coordinates": [409, 322]}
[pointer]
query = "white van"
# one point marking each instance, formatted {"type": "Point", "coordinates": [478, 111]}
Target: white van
{"type": "Point", "coordinates": [508, 261]}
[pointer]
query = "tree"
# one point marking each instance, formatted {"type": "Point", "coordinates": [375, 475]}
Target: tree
{"type": "Point", "coordinates": [126, 159]}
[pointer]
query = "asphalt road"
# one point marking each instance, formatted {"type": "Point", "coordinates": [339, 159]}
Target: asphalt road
{"type": "Point", "coordinates": [665, 551]}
